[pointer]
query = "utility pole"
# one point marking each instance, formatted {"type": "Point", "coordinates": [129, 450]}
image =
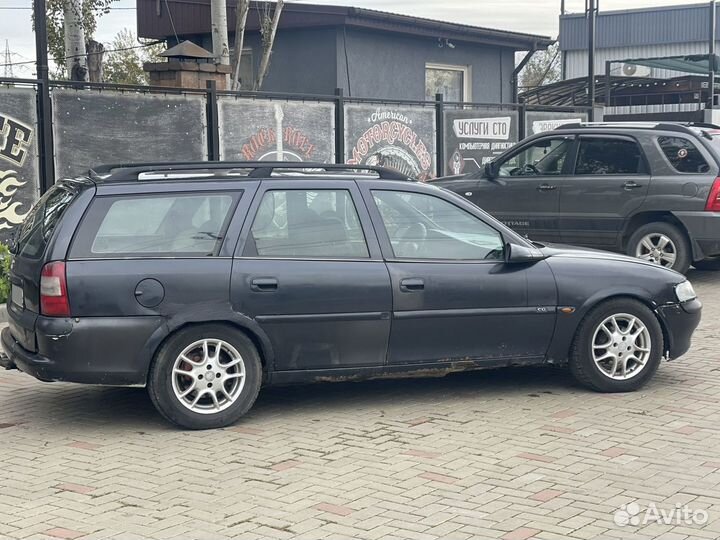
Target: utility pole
{"type": "Point", "coordinates": [591, 14]}
{"type": "Point", "coordinates": [8, 74]}
{"type": "Point", "coordinates": [711, 55]}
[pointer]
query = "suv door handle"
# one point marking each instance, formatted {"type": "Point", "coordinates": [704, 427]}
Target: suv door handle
{"type": "Point", "coordinates": [264, 284]}
{"type": "Point", "coordinates": [546, 187]}
{"type": "Point", "coordinates": [632, 185]}
{"type": "Point", "coordinates": [412, 284]}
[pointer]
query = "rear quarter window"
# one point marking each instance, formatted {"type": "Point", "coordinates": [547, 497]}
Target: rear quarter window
{"type": "Point", "coordinates": [37, 229]}
{"type": "Point", "coordinates": [187, 224]}
{"type": "Point", "coordinates": [683, 155]}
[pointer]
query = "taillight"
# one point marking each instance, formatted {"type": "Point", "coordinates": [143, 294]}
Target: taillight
{"type": "Point", "coordinates": [713, 202]}
{"type": "Point", "coordinates": [53, 290]}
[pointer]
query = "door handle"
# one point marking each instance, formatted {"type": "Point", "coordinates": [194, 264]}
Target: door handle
{"type": "Point", "coordinates": [264, 284]}
{"type": "Point", "coordinates": [546, 187]}
{"type": "Point", "coordinates": [632, 185]}
{"type": "Point", "coordinates": [412, 284]}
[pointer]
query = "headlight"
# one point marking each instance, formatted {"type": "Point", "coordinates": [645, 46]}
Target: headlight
{"type": "Point", "coordinates": [684, 291]}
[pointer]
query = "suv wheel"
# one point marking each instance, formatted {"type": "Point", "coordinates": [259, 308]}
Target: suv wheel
{"type": "Point", "coordinates": [617, 347]}
{"type": "Point", "coordinates": [661, 243]}
{"type": "Point", "coordinates": [205, 377]}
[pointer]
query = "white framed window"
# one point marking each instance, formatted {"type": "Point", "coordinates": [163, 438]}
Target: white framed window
{"type": "Point", "coordinates": [453, 82]}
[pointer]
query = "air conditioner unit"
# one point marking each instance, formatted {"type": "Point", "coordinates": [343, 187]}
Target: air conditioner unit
{"type": "Point", "coordinates": [632, 70]}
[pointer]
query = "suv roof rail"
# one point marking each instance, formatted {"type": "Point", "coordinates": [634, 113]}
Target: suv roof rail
{"type": "Point", "coordinates": [684, 127]}
{"type": "Point", "coordinates": [258, 169]}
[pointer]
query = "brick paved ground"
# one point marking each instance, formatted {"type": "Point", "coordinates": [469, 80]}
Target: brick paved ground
{"type": "Point", "coordinates": [511, 454]}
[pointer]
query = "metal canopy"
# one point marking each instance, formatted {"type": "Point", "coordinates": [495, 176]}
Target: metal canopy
{"type": "Point", "coordinates": [694, 63]}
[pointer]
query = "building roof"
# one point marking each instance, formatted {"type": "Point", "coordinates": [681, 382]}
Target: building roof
{"type": "Point", "coordinates": [156, 20]}
{"type": "Point", "coordinates": [689, 23]}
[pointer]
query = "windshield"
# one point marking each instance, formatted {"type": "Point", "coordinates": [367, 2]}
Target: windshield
{"type": "Point", "coordinates": [36, 230]}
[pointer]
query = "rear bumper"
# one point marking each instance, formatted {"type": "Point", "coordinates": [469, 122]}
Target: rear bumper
{"type": "Point", "coordinates": [95, 350]}
{"type": "Point", "coordinates": [680, 321]}
{"type": "Point", "coordinates": [704, 231]}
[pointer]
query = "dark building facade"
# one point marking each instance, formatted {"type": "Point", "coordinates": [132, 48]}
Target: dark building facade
{"type": "Point", "coordinates": [367, 53]}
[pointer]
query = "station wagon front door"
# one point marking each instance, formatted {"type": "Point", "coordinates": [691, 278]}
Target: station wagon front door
{"type": "Point", "coordinates": [454, 296]}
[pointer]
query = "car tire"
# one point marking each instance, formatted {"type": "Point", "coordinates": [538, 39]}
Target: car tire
{"type": "Point", "coordinates": [670, 238]}
{"type": "Point", "coordinates": [220, 361]}
{"type": "Point", "coordinates": [708, 264]}
{"type": "Point", "coordinates": [592, 343]}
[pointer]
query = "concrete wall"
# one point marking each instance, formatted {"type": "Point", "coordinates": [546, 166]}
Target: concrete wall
{"type": "Point", "coordinates": [381, 65]}
{"type": "Point", "coordinates": [392, 66]}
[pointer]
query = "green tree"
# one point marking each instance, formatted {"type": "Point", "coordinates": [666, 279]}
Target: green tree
{"type": "Point", "coordinates": [543, 68]}
{"type": "Point", "coordinates": [91, 10]}
{"type": "Point", "coordinates": [124, 62]}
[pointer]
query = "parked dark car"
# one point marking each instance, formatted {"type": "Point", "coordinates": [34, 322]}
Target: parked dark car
{"type": "Point", "coordinates": [206, 281]}
{"type": "Point", "coordinates": [650, 190]}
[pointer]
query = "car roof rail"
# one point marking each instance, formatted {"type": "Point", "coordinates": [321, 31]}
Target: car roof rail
{"type": "Point", "coordinates": [684, 127]}
{"type": "Point", "coordinates": [257, 169]}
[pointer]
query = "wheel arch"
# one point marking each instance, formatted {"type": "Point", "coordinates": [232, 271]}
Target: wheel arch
{"type": "Point", "coordinates": [569, 333]}
{"type": "Point", "coordinates": [246, 325]}
{"type": "Point", "coordinates": [652, 216]}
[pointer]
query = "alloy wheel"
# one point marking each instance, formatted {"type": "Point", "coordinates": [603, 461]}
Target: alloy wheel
{"type": "Point", "coordinates": [208, 376]}
{"type": "Point", "coordinates": [657, 248]}
{"type": "Point", "coordinates": [621, 346]}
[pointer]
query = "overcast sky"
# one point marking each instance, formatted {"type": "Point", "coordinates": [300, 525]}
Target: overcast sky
{"type": "Point", "coordinates": [532, 16]}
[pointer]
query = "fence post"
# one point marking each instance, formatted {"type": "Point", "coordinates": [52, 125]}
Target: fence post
{"type": "Point", "coordinates": [339, 126]}
{"type": "Point", "coordinates": [440, 134]}
{"type": "Point", "coordinates": [213, 133]}
{"type": "Point", "coordinates": [46, 152]}
{"type": "Point", "coordinates": [521, 122]}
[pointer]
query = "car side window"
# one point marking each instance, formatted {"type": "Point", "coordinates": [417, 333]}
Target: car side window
{"type": "Point", "coordinates": [683, 155]}
{"type": "Point", "coordinates": [422, 226]}
{"type": "Point", "coordinates": [300, 223]}
{"type": "Point", "coordinates": [602, 155]}
{"type": "Point", "coordinates": [155, 225]}
{"type": "Point", "coordinates": [544, 157]}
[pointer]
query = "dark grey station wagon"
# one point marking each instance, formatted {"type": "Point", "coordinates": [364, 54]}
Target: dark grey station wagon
{"type": "Point", "coordinates": [205, 281]}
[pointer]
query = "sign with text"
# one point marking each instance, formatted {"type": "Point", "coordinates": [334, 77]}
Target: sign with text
{"type": "Point", "coordinates": [542, 121]}
{"type": "Point", "coordinates": [474, 137]}
{"type": "Point", "coordinates": [19, 172]}
{"type": "Point", "coordinates": [396, 136]}
{"type": "Point", "coordinates": [273, 130]}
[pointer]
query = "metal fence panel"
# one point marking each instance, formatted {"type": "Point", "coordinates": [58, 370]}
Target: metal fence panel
{"type": "Point", "coordinates": [478, 135]}
{"type": "Point", "coordinates": [249, 130]}
{"type": "Point", "coordinates": [94, 127]}
{"type": "Point", "coordinates": [398, 136]}
{"type": "Point", "coordinates": [19, 172]}
{"type": "Point", "coordinates": [541, 121]}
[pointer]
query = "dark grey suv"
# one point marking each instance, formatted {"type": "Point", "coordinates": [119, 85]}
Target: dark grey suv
{"type": "Point", "coordinates": [650, 190]}
{"type": "Point", "coordinates": [205, 281]}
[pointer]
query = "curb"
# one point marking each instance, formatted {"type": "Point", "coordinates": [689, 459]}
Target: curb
{"type": "Point", "coordinates": [3, 313]}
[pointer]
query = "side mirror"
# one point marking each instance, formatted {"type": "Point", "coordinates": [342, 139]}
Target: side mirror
{"type": "Point", "coordinates": [491, 170]}
{"type": "Point", "coordinates": [517, 253]}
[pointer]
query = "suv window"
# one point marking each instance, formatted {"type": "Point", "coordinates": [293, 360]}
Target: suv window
{"type": "Point", "coordinates": [423, 226]}
{"type": "Point", "coordinates": [40, 223]}
{"type": "Point", "coordinates": [544, 157]}
{"type": "Point", "coordinates": [609, 156]}
{"type": "Point", "coordinates": [178, 224]}
{"type": "Point", "coordinates": [683, 155]}
{"type": "Point", "coordinates": [301, 223]}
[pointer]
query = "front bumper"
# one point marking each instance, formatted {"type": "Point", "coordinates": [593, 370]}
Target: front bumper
{"type": "Point", "coordinates": [679, 322]}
